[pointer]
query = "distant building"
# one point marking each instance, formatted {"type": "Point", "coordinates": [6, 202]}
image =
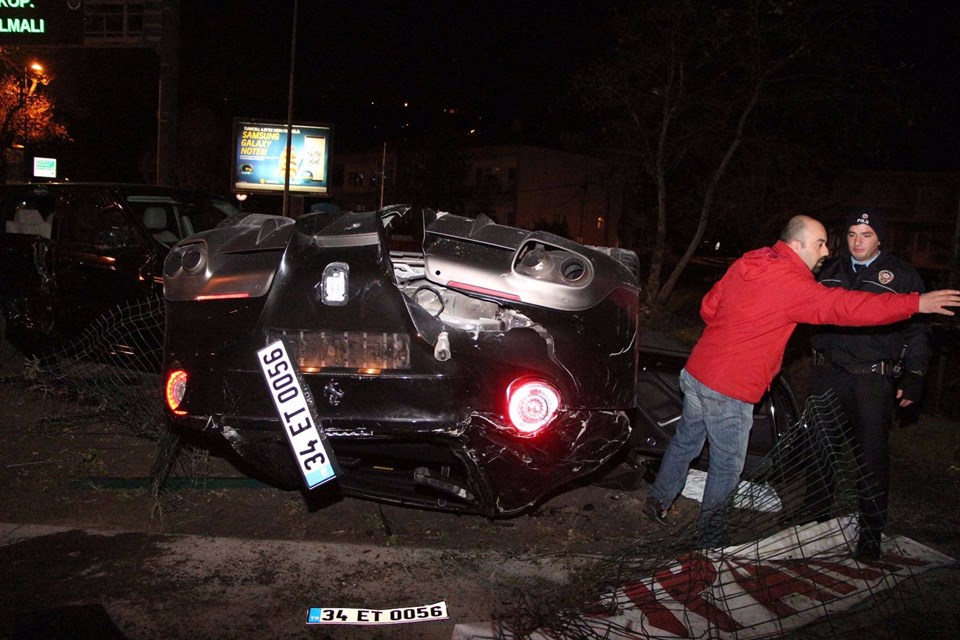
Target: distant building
{"type": "Point", "coordinates": [127, 23]}
{"type": "Point", "coordinates": [518, 185]}
{"type": "Point", "coordinates": [153, 24]}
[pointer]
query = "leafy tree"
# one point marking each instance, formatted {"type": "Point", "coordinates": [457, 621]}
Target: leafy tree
{"type": "Point", "coordinates": [702, 102]}
{"type": "Point", "coordinates": [26, 112]}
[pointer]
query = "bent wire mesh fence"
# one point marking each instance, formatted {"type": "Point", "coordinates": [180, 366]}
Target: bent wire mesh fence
{"type": "Point", "coordinates": [787, 561]}
{"type": "Point", "coordinates": [112, 370]}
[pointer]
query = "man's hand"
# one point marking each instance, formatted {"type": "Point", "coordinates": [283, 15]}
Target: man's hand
{"type": "Point", "coordinates": [903, 401]}
{"type": "Point", "coordinates": [937, 301]}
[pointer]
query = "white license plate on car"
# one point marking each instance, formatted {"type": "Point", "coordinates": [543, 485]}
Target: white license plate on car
{"type": "Point", "coordinates": [297, 417]}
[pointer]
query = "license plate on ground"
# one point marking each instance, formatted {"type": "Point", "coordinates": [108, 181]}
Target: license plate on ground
{"type": "Point", "coordinates": [297, 417]}
{"type": "Point", "coordinates": [326, 615]}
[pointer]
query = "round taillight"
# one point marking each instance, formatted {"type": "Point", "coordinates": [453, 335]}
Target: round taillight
{"type": "Point", "coordinates": [176, 388]}
{"type": "Point", "coordinates": [532, 404]}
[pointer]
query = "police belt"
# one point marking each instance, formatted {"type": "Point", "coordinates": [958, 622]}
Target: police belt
{"type": "Point", "coordinates": [883, 368]}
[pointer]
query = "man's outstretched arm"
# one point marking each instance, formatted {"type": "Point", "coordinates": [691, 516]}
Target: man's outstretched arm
{"type": "Point", "coordinates": [938, 301]}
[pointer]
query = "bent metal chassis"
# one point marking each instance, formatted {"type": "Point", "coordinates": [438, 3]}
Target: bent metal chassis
{"type": "Point", "coordinates": [411, 360]}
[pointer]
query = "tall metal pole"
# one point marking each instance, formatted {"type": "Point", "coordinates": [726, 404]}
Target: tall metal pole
{"type": "Point", "coordinates": [289, 152]}
{"type": "Point", "coordinates": [383, 172]}
{"type": "Point", "coordinates": [158, 178]}
{"type": "Point", "coordinates": [168, 52]}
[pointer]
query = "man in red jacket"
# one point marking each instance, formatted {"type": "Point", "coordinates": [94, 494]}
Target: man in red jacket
{"type": "Point", "coordinates": [750, 314]}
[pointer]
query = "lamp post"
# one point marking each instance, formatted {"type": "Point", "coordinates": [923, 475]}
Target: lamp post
{"type": "Point", "coordinates": [36, 77]}
{"type": "Point", "coordinates": [288, 156]}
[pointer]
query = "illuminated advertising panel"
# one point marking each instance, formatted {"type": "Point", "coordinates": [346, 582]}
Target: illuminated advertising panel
{"type": "Point", "coordinates": [260, 157]}
{"type": "Point", "coordinates": [41, 22]}
{"type": "Point", "coordinates": [44, 167]}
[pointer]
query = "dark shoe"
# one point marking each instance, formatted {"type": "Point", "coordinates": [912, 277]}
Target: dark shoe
{"type": "Point", "coordinates": [655, 511]}
{"type": "Point", "coordinates": [867, 549]}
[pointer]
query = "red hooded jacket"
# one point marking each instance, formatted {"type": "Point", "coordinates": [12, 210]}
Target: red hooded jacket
{"type": "Point", "coordinates": [752, 311]}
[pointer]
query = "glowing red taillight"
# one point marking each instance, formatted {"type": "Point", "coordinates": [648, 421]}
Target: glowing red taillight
{"type": "Point", "coordinates": [532, 404]}
{"type": "Point", "coordinates": [176, 388]}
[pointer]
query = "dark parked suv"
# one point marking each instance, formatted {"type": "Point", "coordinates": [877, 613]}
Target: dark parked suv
{"type": "Point", "coordinates": [69, 252]}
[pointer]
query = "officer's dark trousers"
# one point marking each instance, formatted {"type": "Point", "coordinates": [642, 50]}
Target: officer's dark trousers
{"type": "Point", "coordinates": [868, 401]}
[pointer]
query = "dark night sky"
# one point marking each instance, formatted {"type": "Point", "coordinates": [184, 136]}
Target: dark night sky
{"type": "Point", "coordinates": [501, 64]}
{"type": "Point", "coordinates": [358, 62]}
{"type": "Point", "coordinates": [923, 40]}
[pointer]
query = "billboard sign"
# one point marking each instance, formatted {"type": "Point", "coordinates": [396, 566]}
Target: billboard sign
{"type": "Point", "coordinates": [260, 157]}
{"type": "Point", "coordinates": [41, 22]}
{"type": "Point", "coordinates": [44, 167]}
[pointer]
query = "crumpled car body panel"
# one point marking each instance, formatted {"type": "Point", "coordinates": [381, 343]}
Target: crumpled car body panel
{"type": "Point", "coordinates": [409, 371]}
{"type": "Point", "coordinates": [408, 356]}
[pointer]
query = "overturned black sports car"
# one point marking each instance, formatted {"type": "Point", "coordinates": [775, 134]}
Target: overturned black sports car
{"type": "Point", "coordinates": [478, 375]}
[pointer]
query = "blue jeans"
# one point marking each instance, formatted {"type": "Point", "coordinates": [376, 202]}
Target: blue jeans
{"type": "Point", "coordinates": [723, 421]}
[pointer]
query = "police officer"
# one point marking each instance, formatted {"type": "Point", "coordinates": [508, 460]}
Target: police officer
{"type": "Point", "coordinates": [871, 369]}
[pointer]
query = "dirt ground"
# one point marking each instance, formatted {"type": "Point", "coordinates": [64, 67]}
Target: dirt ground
{"type": "Point", "coordinates": [59, 465]}
{"type": "Point", "coordinates": [62, 466]}
{"type": "Point", "coordinates": [59, 468]}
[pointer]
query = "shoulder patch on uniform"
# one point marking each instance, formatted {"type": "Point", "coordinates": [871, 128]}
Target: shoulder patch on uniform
{"type": "Point", "coordinates": [885, 277]}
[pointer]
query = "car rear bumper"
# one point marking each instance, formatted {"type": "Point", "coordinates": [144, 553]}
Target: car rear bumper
{"type": "Point", "coordinates": [475, 465]}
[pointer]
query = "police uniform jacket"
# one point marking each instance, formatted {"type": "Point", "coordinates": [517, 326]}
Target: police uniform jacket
{"type": "Point", "coordinates": [853, 347]}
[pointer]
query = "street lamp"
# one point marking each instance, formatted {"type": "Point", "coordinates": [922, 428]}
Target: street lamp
{"type": "Point", "coordinates": [37, 76]}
